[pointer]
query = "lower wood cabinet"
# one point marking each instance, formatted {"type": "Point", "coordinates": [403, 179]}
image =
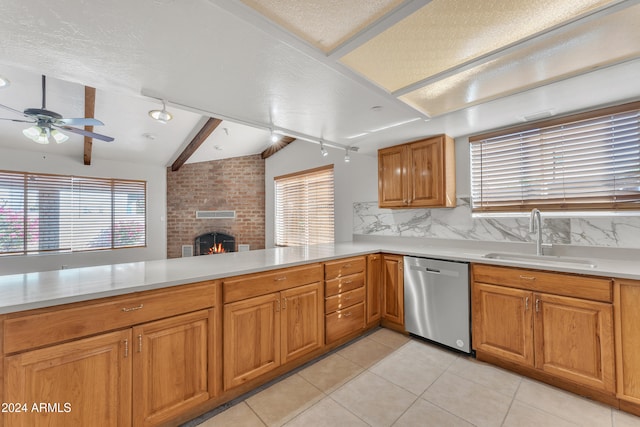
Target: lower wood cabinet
{"type": "Point", "coordinates": [171, 367]}
{"type": "Point", "coordinates": [564, 336]}
{"type": "Point", "coordinates": [374, 288]}
{"type": "Point", "coordinates": [393, 291]}
{"type": "Point", "coordinates": [263, 332]}
{"type": "Point", "coordinates": [88, 381]}
{"type": "Point", "coordinates": [627, 327]}
{"type": "Point", "coordinates": [143, 375]}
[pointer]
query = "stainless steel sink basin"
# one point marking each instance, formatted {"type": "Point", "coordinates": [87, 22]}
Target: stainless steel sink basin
{"type": "Point", "coordinates": [542, 259]}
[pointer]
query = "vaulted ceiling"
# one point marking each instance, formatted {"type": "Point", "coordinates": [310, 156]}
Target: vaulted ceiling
{"type": "Point", "coordinates": [363, 73]}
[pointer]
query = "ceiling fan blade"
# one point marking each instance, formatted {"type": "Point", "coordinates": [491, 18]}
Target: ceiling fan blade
{"type": "Point", "coordinates": [19, 120]}
{"type": "Point", "coordinates": [12, 109]}
{"type": "Point", "coordinates": [85, 133]}
{"type": "Point", "coordinates": [84, 121]}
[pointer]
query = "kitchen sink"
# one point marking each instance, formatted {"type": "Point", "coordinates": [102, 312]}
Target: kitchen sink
{"type": "Point", "coordinates": [542, 259]}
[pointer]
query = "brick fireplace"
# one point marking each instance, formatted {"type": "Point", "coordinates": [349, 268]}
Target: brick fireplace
{"type": "Point", "coordinates": [235, 184]}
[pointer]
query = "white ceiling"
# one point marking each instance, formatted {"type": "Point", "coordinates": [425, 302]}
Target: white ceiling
{"type": "Point", "coordinates": [310, 69]}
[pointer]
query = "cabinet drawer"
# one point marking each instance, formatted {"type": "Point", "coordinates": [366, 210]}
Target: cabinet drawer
{"type": "Point", "coordinates": [344, 300]}
{"type": "Point", "coordinates": [48, 326]}
{"type": "Point", "coordinates": [571, 285]}
{"type": "Point", "coordinates": [343, 322]}
{"type": "Point", "coordinates": [253, 285]}
{"type": "Point", "coordinates": [344, 267]}
{"type": "Point", "coordinates": [343, 284]}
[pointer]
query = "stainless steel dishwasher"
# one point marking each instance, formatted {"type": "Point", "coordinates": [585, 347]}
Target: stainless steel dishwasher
{"type": "Point", "coordinates": [436, 301]}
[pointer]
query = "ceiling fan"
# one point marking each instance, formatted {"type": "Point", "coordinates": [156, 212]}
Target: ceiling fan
{"type": "Point", "coordinates": [46, 123]}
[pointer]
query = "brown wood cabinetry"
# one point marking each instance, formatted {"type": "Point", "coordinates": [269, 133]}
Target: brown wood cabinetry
{"type": "Point", "coordinates": [393, 291]}
{"type": "Point", "coordinates": [345, 294]}
{"type": "Point", "coordinates": [90, 380]}
{"type": "Point", "coordinates": [266, 331]}
{"type": "Point", "coordinates": [417, 174]}
{"type": "Point", "coordinates": [374, 288]}
{"type": "Point", "coordinates": [568, 337]}
{"type": "Point", "coordinates": [627, 322]}
{"type": "Point", "coordinates": [166, 365]}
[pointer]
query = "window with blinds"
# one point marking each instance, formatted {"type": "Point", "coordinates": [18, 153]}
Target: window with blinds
{"type": "Point", "coordinates": [584, 162]}
{"type": "Point", "coordinates": [56, 213]}
{"type": "Point", "coordinates": [304, 213]}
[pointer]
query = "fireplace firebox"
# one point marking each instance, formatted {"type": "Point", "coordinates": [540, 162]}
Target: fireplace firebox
{"type": "Point", "coordinates": [214, 243]}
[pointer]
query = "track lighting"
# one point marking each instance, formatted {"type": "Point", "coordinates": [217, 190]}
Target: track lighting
{"type": "Point", "coordinates": [163, 116]}
{"type": "Point", "coordinates": [323, 150]}
{"type": "Point", "coordinates": [347, 158]}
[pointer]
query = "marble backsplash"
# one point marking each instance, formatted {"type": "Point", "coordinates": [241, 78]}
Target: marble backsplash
{"type": "Point", "coordinates": [457, 223]}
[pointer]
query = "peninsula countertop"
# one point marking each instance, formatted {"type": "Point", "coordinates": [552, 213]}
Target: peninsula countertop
{"type": "Point", "coordinates": [19, 292]}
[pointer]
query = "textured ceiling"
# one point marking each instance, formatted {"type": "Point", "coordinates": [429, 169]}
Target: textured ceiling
{"type": "Point", "coordinates": [325, 24]}
{"type": "Point", "coordinates": [447, 33]}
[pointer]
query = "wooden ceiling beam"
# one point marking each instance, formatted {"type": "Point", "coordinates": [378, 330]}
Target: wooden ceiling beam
{"type": "Point", "coordinates": [286, 140]}
{"type": "Point", "coordinates": [89, 111]}
{"type": "Point", "coordinates": [196, 142]}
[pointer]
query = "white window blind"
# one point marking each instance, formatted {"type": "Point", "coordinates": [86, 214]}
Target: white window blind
{"type": "Point", "coordinates": [583, 162]}
{"type": "Point", "coordinates": [304, 208]}
{"type": "Point", "coordinates": [56, 213]}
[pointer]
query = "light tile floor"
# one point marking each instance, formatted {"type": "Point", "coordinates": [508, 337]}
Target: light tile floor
{"type": "Point", "coordinates": [387, 379]}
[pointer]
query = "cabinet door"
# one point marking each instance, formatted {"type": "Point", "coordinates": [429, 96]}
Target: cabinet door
{"type": "Point", "coordinates": [171, 360]}
{"type": "Point", "coordinates": [626, 297]}
{"type": "Point", "coordinates": [393, 289]}
{"type": "Point", "coordinates": [374, 288]}
{"type": "Point", "coordinates": [81, 383]}
{"type": "Point", "coordinates": [392, 177]}
{"type": "Point", "coordinates": [503, 322]}
{"type": "Point", "coordinates": [251, 338]}
{"type": "Point", "coordinates": [426, 173]}
{"type": "Point", "coordinates": [574, 340]}
{"type": "Point", "coordinates": [302, 318]}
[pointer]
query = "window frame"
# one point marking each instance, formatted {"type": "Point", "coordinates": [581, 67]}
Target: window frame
{"type": "Point", "coordinates": [71, 229]}
{"type": "Point", "coordinates": [306, 238]}
{"type": "Point", "coordinates": [589, 203]}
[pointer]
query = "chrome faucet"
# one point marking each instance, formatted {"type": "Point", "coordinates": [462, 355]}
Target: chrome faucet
{"type": "Point", "coordinates": [535, 223]}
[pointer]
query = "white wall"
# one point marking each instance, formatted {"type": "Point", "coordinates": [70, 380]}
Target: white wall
{"type": "Point", "coordinates": [31, 161]}
{"type": "Point", "coordinates": [354, 181]}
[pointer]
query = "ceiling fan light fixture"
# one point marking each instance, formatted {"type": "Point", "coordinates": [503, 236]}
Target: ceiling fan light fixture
{"type": "Point", "coordinates": [36, 134]}
{"type": "Point", "coordinates": [162, 116]}
{"type": "Point", "coordinates": [59, 137]}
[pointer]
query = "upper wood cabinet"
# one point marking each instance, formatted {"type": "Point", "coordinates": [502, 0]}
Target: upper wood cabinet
{"type": "Point", "coordinates": [418, 174]}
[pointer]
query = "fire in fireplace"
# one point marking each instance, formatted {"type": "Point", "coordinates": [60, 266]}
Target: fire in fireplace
{"type": "Point", "coordinates": [214, 243]}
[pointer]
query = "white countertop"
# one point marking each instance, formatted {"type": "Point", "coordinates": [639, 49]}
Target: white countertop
{"type": "Point", "coordinates": [20, 292]}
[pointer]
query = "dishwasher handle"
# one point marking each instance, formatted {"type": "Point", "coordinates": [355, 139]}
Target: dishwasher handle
{"type": "Point", "coordinates": [428, 270]}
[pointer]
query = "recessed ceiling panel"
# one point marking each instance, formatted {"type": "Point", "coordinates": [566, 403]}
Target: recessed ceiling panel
{"type": "Point", "coordinates": [327, 23]}
{"type": "Point", "coordinates": [597, 43]}
{"type": "Point", "coordinates": [446, 33]}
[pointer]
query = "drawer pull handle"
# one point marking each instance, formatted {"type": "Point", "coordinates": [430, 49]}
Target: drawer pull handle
{"type": "Point", "coordinates": [128, 309]}
{"type": "Point", "coordinates": [139, 343]}
{"type": "Point", "coordinates": [527, 277]}
{"type": "Point", "coordinates": [537, 305]}
{"type": "Point", "coordinates": [126, 348]}
{"type": "Point", "coordinates": [347, 298]}
{"type": "Point", "coordinates": [346, 282]}
{"type": "Point", "coordinates": [347, 265]}
{"type": "Point", "coordinates": [526, 303]}
{"type": "Point", "coordinates": [279, 279]}
{"type": "Point", "coordinates": [284, 305]}
{"type": "Point", "coordinates": [346, 314]}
